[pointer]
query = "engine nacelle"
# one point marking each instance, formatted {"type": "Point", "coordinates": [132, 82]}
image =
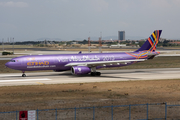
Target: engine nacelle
{"type": "Point", "coordinates": [80, 70]}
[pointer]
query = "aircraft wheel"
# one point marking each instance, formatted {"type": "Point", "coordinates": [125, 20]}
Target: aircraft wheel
{"type": "Point", "coordinates": [23, 75]}
{"type": "Point", "coordinates": [93, 73]}
{"type": "Point", "coordinates": [98, 73]}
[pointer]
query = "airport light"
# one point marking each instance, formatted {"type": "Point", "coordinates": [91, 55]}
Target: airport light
{"type": "Point", "coordinates": [100, 45]}
{"type": "Point", "coordinates": [13, 46]}
{"type": "Point", "coordinates": [89, 44]}
{"type": "Point", "coordinates": [3, 44]}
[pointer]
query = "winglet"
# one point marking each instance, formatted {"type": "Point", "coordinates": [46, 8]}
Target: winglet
{"type": "Point", "coordinates": [151, 42]}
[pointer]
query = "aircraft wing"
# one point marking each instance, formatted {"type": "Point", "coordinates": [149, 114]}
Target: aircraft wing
{"type": "Point", "coordinates": [103, 63]}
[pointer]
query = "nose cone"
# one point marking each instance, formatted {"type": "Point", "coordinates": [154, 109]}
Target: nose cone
{"type": "Point", "coordinates": [7, 64]}
{"type": "Point", "coordinates": [12, 65]}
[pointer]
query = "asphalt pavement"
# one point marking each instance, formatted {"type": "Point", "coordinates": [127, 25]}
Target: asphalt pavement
{"type": "Point", "coordinates": [41, 78]}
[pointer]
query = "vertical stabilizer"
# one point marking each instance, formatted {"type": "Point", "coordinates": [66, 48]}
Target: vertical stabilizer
{"type": "Point", "coordinates": [151, 42]}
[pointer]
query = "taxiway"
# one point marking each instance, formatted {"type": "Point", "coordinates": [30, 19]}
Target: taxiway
{"type": "Point", "coordinates": [35, 78]}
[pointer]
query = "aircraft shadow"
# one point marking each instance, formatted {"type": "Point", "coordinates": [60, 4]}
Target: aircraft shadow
{"type": "Point", "coordinates": [128, 72]}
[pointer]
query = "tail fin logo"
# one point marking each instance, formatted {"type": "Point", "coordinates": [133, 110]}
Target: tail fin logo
{"type": "Point", "coordinates": [154, 39]}
{"type": "Point", "coordinates": [151, 42]}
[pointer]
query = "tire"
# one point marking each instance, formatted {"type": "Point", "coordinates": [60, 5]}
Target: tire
{"type": "Point", "coordinates": [93, 74]}
{"type": "Point", "coordinates": [98, 73]}
{"type": "Point", "coordinates": [23, 75]}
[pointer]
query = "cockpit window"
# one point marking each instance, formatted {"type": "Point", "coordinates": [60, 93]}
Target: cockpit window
{"type": "Point", "coordinates": [12, 61]}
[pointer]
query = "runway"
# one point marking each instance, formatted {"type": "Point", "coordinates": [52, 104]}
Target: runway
{"type": "Point", "coordinates": [35, 78]}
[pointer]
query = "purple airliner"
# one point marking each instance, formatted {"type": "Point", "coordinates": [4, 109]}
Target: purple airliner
{"type": "Point", "coordinates": [81, 64]}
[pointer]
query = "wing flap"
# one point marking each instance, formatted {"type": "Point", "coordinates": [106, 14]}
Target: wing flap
{"type": "Point", "coordinates": [103, 63]}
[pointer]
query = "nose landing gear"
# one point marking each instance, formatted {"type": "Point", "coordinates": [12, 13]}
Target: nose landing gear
{"type": "Point", "coordinates": [23, 75]}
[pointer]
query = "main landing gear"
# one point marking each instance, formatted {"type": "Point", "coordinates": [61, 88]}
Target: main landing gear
{"type": "Point", "coordinates": [23, 75]}
{"type": "Point", "coordinates": [94, 73]}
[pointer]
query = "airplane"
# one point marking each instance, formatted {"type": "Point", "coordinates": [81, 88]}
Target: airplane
{"type": "Point", "coordinates": [81, 64]}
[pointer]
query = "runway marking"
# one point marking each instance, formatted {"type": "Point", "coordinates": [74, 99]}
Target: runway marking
{"type": "Point", "coordinates": [8, 75]}
{"type": "Point", "coordinates": [40, 83]}
{"type": "Point", "coordinates": [19, 80]}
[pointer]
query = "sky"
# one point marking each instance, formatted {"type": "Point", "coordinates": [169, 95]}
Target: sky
{"type": "Point", "coordinates": [32, 20]}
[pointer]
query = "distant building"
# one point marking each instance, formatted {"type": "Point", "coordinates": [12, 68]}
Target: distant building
{"type": "Point", "coordinates": [118, 46]}
{"type": "Point", "coordinates": [74, 42]}
{"type": "Point", "coordinates": [121, 35]}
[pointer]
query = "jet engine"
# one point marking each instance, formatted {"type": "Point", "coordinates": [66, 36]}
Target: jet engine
{"type": "Point", "coordinates": [80, 70]}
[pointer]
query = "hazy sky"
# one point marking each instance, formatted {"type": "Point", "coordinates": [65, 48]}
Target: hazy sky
{"type": "Point", "coordinates": [79, 19]}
